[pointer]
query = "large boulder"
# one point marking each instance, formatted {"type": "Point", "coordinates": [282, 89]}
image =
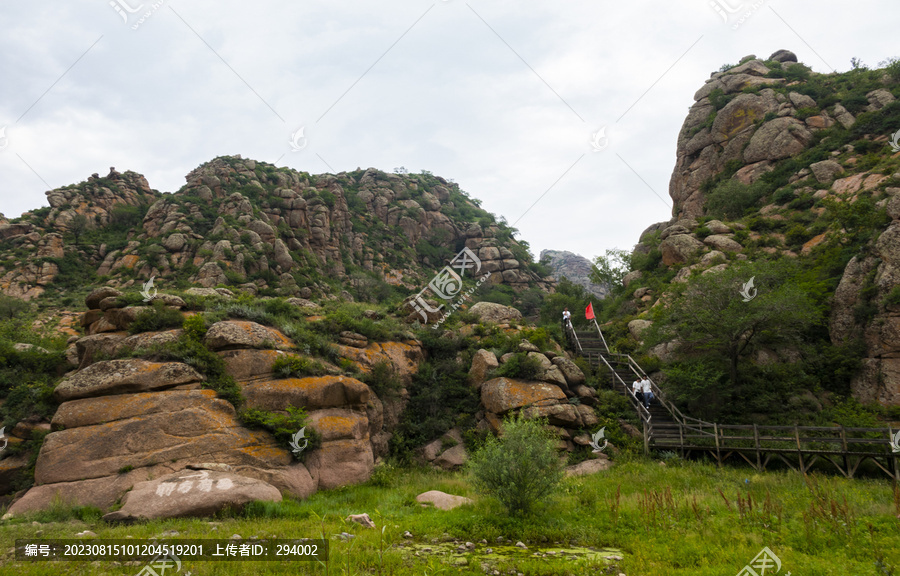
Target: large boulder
{"type": "Point", "coordinates": [637, 326]}
{"type": "Point", "coordinates": [777, 139]}
{"type": "Point", "coordinates": [572, 373]}
{"type": "Point", "coordinates": [592, 466]}
{"type": "Point", "coordinates": [442, 500]}
{"type": "Point", "coordinates": [97, 345]}
{"type": "Point", "coordinates": [98, 492]}
{"type": "Point", "coordinates": [503, 394]}
{"type": "Point", "coordinates": [172, 429]}
{"type": "Point", "coordinates": [191, 493]}
{"type": "Point", "coordinates": [231, 334]}
{"type": "Point", "coordinates": [342, 462]}
{"type": "Point", "coordinates": [483, 363]}
{"type": "Point", "coordinates": [339, 424]}
{"type": "Point", "coordinates": [313, 393]}
{"type": "Point", "coordinates": [826, 170]}
{"type": "Point", "coordinates": [404, 357]}
{"type": "Point", "coordinates": [93, 299]}
{"type": "Point", "coordinates": [452, 458]}
{"type": "Point", "coordinates": [495, 313]}
{"type": "Point", "coordinates": [783, 56]}
{"type": "Point", "coordinates": [722, 243]}
{"type": "Point", "coordinates": [125, 377]}
{"type": "Point", "coordinates": [679, 249]}
{"type": "Point", "coordinates": [245, 365]}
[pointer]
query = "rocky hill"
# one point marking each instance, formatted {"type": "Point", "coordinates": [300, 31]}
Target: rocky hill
{"type": "Point", "coordinates": [776, 163]}
{"type": "Point", "coordinates": [574, 267]}
{"type": "Point", "coordinates": [250, 225]}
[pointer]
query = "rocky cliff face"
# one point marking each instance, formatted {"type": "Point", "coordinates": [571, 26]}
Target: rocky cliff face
{"type": "Point", "coordinates": [574, 267]}
{"type": "Point", "coordinates": [772, 160]}
{"type": "Point", "coordinates": [248, 224]}
{"type": "Point", "coordinates": [126, 422]}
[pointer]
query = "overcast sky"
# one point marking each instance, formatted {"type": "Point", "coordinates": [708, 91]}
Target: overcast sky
{"type": "Point", "coordinates": [507, 98]}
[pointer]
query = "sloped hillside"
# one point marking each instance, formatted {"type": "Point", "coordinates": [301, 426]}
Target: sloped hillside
{"type": "Point", "coordinates": [791, 178]}
{"type": "Point", "coordinates": [247, 224]}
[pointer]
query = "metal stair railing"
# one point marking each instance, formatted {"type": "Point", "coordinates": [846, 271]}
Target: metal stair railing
{"type": "Point", "coordinates": [641, 410]}
{"type": "Point", "coordinates": [676, 414]}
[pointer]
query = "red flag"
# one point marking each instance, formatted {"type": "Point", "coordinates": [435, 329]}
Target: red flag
{"type": "Point", "coordinates": [589, 311]}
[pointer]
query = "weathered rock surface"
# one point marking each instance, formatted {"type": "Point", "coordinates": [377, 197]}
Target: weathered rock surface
{"type": "Point", "coordinates": [125, 377]}
{"type": "Point", "coordinates": [573, 267]}
{"type": "Point", "coordinates": [592, 466]}
{"type": "Point", "coordinates": [312, 392]}
{"type": "Point", "coordinates": [171, 429]}
{"type": "Point", "coordinates": [679, 249]}
{"type": "Point", "coordinates": [442, 500]}
{"type": "Point", "coordinates": [503, 394]}
{"type": "Point", "coordinates": [495, 313]}
{"type": "Point", "coordinates": [191, 493]}
{"type": "Point", "coordinates": [230, 334]}
{"type": "Point", "coordinates": [483, 363]}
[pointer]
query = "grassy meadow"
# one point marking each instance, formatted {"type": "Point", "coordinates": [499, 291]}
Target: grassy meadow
{"type": "Point", "coordinates": [681, 518]}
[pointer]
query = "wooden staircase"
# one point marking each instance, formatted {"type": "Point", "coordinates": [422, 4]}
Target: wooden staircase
{"type": "Point", "coordinates": [799, 448]}
{"type": "Point", "coordinates": [661, 430]}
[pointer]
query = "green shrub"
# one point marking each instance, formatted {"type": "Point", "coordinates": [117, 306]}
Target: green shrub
{"type": "Point", "coordinates": [893, 297]}
{"type": "Point", "coordinates": [806, 112]}
{"type": "Point", "coordinates": [796, 234]}
{"type": "Point", "coordinates": [783, 196]}
{"type": "Point", "coordinates": [730, 198]}
{"type": "Point", "coordinates": [291, 366]}
{"type": "Point", "coordinates": [11, 307]}
{"type": "Point", "coordinates": [521, 366]}
{"type": "Point", "coordinates": [156, 317]}
{"type": "Point", "coordinates": [195, 327]}
{"type": "Point", "coordinates": [194, 353]}
{"type": "Point", "coordinates": [438, 394]}
{"type": "Point", "coordinates": [383, 380]}
{"type": "Point", "coordinates": [283, 427]}
{"type": "Point", "coordinates": [521, 468]}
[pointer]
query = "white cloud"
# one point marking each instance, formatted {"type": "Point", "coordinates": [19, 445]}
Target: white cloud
{"type": "Point", "coordinates": [450, 96]}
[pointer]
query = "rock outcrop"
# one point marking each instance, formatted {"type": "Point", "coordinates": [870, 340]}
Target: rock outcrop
{"type": "Point", "coordinates": [245, 223]}
{"type": "Point", "coordinates": [573, 267]}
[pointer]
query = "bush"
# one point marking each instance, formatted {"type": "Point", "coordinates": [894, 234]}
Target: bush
{"type": "Point", "coordinates": [519, 366]}
{"type": "Point", "coordinates": [383, 380]}
{"type": "Point", "coordinates": [730, 198]}
{"type": "Point", "coordinates": [194, 353]}
{"type": "Point", "coordinates": [290, 366]}
{"type": "Point", "coordinates": [283, 427]}
{"type": "Point", "coordinates": [195, 327]}
{"type": "Point", "coordinates": [156, 317]}
{"type": "Point", "coordinates": [11, 307]}
{"type": "Point", "coordinates": [521, 468]}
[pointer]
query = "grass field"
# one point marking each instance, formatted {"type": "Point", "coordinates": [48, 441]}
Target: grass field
{"type": "Point", "coordinates": [684, 518]}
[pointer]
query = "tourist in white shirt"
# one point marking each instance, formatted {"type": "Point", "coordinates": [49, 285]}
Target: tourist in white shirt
{"type": "Point", "coordinates": [567, 317]}
{"type": "Point", "coordinates": [648, 392]}
{"type": "Point", "coordinates": [637, 388]}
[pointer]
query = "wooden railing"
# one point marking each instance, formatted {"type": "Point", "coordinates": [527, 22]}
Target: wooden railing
{"type": "Point", "coordinates": [799, 447]}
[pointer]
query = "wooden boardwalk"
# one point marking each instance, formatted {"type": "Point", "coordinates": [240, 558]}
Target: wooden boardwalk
{"type": "Point", "coordinates": [666, 428]}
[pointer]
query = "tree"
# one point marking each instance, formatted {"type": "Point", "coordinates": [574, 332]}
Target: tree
{"type": "Point", "coordinates": [11, 307]}
{"type": "Point", "coordinates": [521, 468]}
{"type": "Point", "coordinates": [611, 268]}
{"type": "Point", "coordinates": [78, 226]}
{"type": "Point", "coordinates": [721, 314]}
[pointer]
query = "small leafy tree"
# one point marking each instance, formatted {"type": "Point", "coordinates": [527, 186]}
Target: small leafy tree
{"type": "Point", "coordinates": [611, 268]}
{"type": "Point", "coordinates": [720, 315]}
{"type": "Point", "coordinates": [521, 468]}
{"type": "Point", "coordinates": [77, 227]}
{"type": "Point", "coordinates": [11, 307]}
